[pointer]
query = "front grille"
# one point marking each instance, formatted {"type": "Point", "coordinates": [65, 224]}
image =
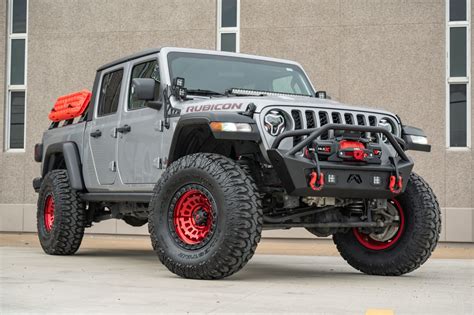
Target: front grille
{"type": "Point", "coordinates": [316, 118]}
{"type": "Point", "coordinates": [296, 114]}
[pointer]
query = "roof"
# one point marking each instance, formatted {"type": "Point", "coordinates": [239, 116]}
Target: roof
{"type": "Point", "coordinates": [128, 58]}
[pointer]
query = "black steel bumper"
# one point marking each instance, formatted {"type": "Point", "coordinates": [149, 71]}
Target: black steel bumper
{"type": "Point", "coordinates": [352, 180]}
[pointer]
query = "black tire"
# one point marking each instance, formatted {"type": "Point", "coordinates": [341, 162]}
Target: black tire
{"type": "Point", "coordinates": [236, 218]}
{"type": "Point", "coordinates": [64, 234]}
{"type": "Point", "coordinates": [417, 240]}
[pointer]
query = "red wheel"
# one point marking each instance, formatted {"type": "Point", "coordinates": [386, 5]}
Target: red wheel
{"type": "Point", "coordinates": [389, 236]}
{"type": "Point", "coordinates": [193, 215]}
{"type": "Point", "coordinates": [49, 213]}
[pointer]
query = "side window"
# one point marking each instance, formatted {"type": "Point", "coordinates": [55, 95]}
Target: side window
{"type": "Point", "coordinates": [147, 70]}
{"type": "Point", "coordinates": [110, 93]}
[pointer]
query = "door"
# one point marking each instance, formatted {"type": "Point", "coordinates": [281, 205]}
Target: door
{"type": "Point", "coordinates": [102, 129]}
{"type": "Point", "coordinates": [139, 145]}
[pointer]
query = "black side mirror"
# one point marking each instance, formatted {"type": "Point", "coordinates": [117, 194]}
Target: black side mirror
{"type": "Point", "coordinates": [143, 89]}
{"type": "Point", "coordinates": [321, 94]}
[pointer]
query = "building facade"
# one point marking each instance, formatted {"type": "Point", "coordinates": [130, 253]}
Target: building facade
{"type": "Point", "coordinates": [412, 57]}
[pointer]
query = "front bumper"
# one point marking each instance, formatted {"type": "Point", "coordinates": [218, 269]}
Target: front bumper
{"type": "Point", "coordinates": [350, 180]}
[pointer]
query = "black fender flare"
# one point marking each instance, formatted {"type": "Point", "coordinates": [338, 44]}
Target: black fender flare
{"type": "Point", "coordinates": [203, 119]}
{"type": "Point", "coordinates": [72, 160]}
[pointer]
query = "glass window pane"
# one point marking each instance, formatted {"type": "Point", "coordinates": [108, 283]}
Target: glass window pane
{"type": "Point", "coordinates": [228, 42]}
{"type": "Point", "coordinates": [17, 69]}
{"type": "Point", "coordinates": [229, 13]}
{"type": "Point", "coordinates": [457, 115]}
{"type": "Point", "coordinates": [457, 10]}
{"type": "Point", "coordinates": [110, 93]}
{"type": "Point", "coordinates": [147, 70]}
{"type": "Point", "coordinates": [17, 120]}
{"type": "Point", "coordinates": [457, 52]}
{"type": "Point", "coordinates": [19, 16]}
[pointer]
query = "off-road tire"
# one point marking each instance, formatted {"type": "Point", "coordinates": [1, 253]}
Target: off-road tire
{"type": "Point", "coordinates": [415, 245]}
{"type": "Point", "coordinates": [67, 230]}
{"type": "Point", "coordinates": [238, 222]}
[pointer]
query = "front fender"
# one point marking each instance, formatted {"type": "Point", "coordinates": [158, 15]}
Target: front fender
{"type": "Point", "coordinates": [189, 122]}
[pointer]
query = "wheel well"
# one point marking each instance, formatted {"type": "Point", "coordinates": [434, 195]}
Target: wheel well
{"type": "Point", "coordinates": [199, 139]}
{"type": "Point", "coordinates": [54, 161]}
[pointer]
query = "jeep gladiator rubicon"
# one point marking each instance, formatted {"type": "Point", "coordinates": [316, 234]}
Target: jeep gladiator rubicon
{"type": "Point", "coordinates": [209, 148]}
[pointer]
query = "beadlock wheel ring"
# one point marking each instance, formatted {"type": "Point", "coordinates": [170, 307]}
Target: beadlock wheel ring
{"type": "Point", "coordinates": [193, 215]}
{"type": "Point", "coordinates": [49, 213]}
{"type": "Point", "coordinates": [370, 243]}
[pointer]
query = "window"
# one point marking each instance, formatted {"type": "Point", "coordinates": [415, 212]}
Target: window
{"type": "Point", "coordinates": [16, 75]}
{"type": "Point", "coordinates": [110, 93]}
{"type": "Point", "coordinates": [458, 72]}
{"type": "Point", "coordinates": [228, 25]}
{"type": "Point", "coordinates": [147, 69]}
{"type": "Point", "coordinates": [220, 73]}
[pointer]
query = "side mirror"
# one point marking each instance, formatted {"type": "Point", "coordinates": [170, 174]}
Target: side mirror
{"type": "Point", "coordinates": [143, 89]}
{"type": "Point", "coordinates": [321, 94]}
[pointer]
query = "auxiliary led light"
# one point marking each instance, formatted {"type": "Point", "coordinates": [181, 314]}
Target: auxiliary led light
{"type": "Point", "coordinates": [331, 179]}
{"type": "Point", "coordinates": [377, 180]}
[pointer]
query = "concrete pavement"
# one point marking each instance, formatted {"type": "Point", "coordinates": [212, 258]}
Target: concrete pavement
{"type": "Point", "coordinates": [130, 279]}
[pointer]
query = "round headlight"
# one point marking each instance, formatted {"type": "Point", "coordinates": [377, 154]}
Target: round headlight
{"type": "Point", "coordinates": [389, 125]}
{"type": "Point", "coordinates": [275, 122]}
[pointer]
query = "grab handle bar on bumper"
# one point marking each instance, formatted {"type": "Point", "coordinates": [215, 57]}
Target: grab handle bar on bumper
{"type": "Point", "coordinates": [313, 133]}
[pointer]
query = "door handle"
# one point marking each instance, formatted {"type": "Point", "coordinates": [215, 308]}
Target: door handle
{"type": "Point", "coordinates": [96, 134]}
{"type": "Point", "coordinates": [124, 129]}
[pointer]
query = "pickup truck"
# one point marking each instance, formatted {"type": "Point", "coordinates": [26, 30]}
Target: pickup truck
{"type": "Point", "coordinates": [210, 147]}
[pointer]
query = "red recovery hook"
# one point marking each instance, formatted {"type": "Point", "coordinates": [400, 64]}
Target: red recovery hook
{"type": "Point", "coordinates": [316, 181]}
{"type": "Point", "coordinates": [395, 185]}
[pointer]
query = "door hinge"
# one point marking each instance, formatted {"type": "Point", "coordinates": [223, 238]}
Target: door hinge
{"type": "Point", "coordinates": [113, 166]}
{"type": "Point", "coordinates": [159, 125]}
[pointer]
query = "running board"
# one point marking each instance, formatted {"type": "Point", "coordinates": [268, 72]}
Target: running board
{"type": "Point", "coordinates": [118, 197]}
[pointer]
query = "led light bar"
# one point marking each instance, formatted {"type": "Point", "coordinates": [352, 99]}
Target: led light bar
{"type": "Point", "coordinates": [259, 93]}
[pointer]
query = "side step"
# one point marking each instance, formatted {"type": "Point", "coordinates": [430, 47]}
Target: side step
{"type": "Point", "coordinates": [118, 197]}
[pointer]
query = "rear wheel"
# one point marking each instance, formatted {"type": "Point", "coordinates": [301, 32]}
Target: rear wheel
{"type": "Point", "coordinates": [60, 216]}
{"type": "Point", "coordinates": [402, 247]}
{"type": "Point", "coordinates": [205, 217]}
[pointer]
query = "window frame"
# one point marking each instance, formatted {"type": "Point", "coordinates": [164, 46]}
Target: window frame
{"type": "Point", "coordinates": [99, 92]}
{"type": "Point", "coordinates": [458, 80]}
{"type": "Point", "coordinates": [129, 81]}
{"type": "Point", "coordinates": [17, 87]}
{"type": "Point", "coordinates": [228, 30]}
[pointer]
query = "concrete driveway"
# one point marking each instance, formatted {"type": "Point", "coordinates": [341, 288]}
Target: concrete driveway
{"type": "Point", "coordinates": [127, 278]}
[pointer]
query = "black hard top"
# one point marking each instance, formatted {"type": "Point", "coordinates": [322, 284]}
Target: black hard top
{"type": "Point", "coordinates": [131, 57]}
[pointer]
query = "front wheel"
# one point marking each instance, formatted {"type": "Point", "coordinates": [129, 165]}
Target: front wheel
{"type": "Point", "coordinates": [205, 217]}
{"type": "Point", "coordinates": [400, 248]}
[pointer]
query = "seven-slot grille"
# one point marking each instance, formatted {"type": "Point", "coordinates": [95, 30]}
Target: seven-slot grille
{"type": "Point", "coordinates": [316, 118]}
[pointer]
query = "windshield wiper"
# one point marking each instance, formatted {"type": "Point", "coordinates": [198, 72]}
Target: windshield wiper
{"type": "Point", "coordinates": [203, 92]}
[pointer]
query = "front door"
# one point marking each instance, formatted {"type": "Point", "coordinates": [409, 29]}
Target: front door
{"type": "Point", "coordinates": [139, 148]}
{"type": "Point", "coordinates": [102, 129]}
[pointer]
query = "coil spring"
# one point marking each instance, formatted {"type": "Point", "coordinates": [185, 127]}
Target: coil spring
{"type": "Point", "coordinates": [357, 206]}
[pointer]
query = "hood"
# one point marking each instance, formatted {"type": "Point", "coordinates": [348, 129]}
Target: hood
{"type": "Point", "coordinates": [227, 104]}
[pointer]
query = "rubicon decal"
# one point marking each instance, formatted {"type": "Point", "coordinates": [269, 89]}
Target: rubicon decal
{"type": "Point", "coordinates": [213, 107]}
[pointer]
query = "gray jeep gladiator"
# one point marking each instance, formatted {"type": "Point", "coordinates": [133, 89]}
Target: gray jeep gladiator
{"type": "Point", "coordinates": [209, 148]}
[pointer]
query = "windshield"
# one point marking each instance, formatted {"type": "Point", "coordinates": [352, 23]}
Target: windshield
{"type": "Point", "coordinates": [220, 73]}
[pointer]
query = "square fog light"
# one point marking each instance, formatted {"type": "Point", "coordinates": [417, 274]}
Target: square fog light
{"type": "Point", "coordinates": [331, 179]}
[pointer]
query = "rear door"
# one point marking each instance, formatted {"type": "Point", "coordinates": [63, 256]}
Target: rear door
{"type": "Point", "coordinates": [139, 149]}
{"type": "Point", "coordinates": [101, 131]}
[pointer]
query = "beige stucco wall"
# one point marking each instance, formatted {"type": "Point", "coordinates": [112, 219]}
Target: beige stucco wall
{"type": "Point", "coordinates": [377, 53]}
